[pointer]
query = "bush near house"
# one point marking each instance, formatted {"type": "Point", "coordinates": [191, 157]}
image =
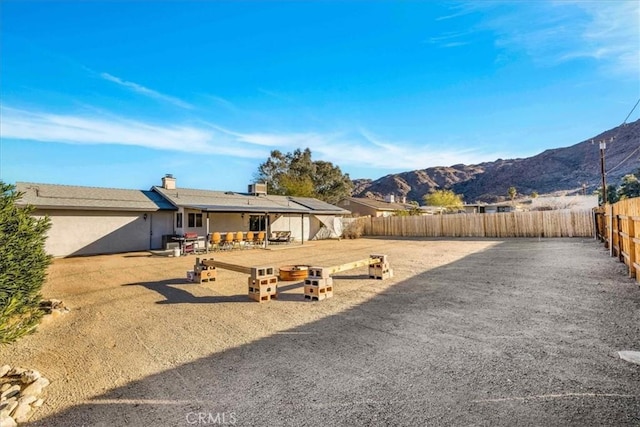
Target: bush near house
{"type": "Point", "coordinates": [23, 265]}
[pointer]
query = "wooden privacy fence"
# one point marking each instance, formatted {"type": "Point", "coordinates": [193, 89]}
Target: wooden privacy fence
{"type": "Point", "coordinates": [558, 223]}
{"type": "Point", "coordinates": [618, 226]}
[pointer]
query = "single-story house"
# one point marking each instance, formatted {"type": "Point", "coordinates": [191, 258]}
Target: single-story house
{"type": "Point", "coordinates": [491, 207]}
{"type": "Point", "coordinates": [92, 220]}
{"type": "Point", "coordinates": [364, 206]}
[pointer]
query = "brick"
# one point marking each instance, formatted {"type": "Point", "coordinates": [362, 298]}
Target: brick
{"type": "Point", "coordinates": [318, 273]}
{"type": "Point", "coordinates": [382, 258]}
{"type": "Point", "coordinates": [314, 281]}
{"type": "Point", "coordinates": [260, 272]}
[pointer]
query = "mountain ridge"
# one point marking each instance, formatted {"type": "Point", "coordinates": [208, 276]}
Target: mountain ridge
{"type": "Point", "coordinates": [573, 168]}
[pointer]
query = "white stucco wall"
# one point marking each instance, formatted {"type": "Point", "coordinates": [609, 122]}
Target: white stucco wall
{"type": "Point", "coordinates": [99, 232]}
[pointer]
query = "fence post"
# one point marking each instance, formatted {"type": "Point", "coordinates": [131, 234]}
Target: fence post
{"type": "Point", "coordinates": [632, 247]}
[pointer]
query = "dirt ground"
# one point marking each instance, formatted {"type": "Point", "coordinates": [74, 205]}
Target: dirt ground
{"type": "Point", "coordinates": [468, 332]}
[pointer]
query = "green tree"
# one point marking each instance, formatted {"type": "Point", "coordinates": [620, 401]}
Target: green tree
{"type": "Point", "coordinates": [512, 192]}
{"type": "Point", "coordinates": [23, 265]}
{"type": "Point", "coordinates": [534, 195]}
{"type": "Point", "coordinates": [444, 198]}
{"type": "Point", "coordinates": [629, 187]}
{"type": "Point", "coordinates": [612, 194]}
{"type": "Point", "coordinates": [296, 174]}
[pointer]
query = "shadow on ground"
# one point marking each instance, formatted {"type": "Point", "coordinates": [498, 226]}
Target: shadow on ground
{"type": "Point", "coordinates": [501, 337]}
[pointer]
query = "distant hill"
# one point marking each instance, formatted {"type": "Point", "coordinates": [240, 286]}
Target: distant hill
{"type": "Point", "coordinates": [561, 169]}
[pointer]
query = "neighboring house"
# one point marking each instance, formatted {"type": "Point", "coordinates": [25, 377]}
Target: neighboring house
{"type": "Point", "coordinates": [491, 207]}
{"type": "Point", "coordinates": [364, 206]}
{"type": "Point", "coordinates": [89, 220]}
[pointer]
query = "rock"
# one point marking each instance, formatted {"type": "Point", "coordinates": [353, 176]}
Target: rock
{"type": "Point", "coordinates": [38, 403]}
{"type": "Point", "coordinates": [630, 356]}
{"type": "Point", "coordinates": [5, 387]}
{"type": "Point", "coordinates": [27, 399]}
{"type": "Point", "coordinates": [4, 370]}
{"type": "Point", "coordinates": [21, 413]}
{"type": "Point", "coordinates": [16, 372]}
{"type": "Point", "coordinates": [8, 406]}
{"type": "Point", "coordinates": [29, 376]}
{"type": "Point", "coordinates": [55, 313]}
{"type": "Point", "coordinates": [10, 392]}
{"type": "Point", "coordinates": [35, 388]}
{"type": "Point", "coordinates": [7, 422]}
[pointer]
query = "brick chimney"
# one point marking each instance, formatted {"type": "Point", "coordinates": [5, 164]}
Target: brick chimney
{"type": "Point", "coordinates": [168, 182]}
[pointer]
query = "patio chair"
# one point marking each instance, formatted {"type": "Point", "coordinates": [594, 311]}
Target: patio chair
{"type": "Point", "coordinates": [238, 239]}
{"type": "Point", "coordinates": [259, 239]}
{"type": "Point", "coordinates": [250, 238]}
{"type": "Point", "coordinates": [216, 239]}
{"type": "Point", "coordinates": [227, 243]}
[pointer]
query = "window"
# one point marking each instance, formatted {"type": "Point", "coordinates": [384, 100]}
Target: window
{"type": "Point", "coordinates": [257, 223]}
{"type": "Point", "coordinates": [195, 220]}
{"type": "Point", "coordinates": [179, 220]}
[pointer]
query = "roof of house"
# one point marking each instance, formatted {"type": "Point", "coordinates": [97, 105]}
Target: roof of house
{"type": "Point", "coordinates": [228, 201]}
{"type": "Point", "coordinates": [54, 196]}
{"type": "Point", "coordinates": [380, 205]}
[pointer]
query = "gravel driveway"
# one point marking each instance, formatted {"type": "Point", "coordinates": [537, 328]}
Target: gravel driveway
{"type": "Point", "coordinates": [468, 332]}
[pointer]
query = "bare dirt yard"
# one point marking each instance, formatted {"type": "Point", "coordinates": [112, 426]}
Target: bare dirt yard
{"type": "Point", "coordinates": [468, 332]}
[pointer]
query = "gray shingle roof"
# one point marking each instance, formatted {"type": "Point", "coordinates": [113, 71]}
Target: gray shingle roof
{"type": "Point", "coordinates": [53, 196]}
{"type": "Point", "coordinates": [221, 201]}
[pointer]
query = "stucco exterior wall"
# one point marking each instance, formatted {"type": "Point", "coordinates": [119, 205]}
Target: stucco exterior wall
{"type": "Point", "coordinates": [98, 232]}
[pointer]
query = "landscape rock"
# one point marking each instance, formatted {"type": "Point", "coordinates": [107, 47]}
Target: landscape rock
{"type": "Point", "coordinates": [5, 386]}
{"type": "Point", "coordinates": [21, 413]}
{"type": "Point", "coordinates": [10, 392]}
{"type": "Point", "coordinates": [36, 387]}
{"type": "Point", "coordinates": [38, 403]}
{"type": "Point", "coordinates": [4, 370]}
{"type": "Point", "coordinates": [7, 407]}
{"type": "Point", "coordinates": [16, 372]}
{"type": "Point", "coordinates": [29, 399]}
{"type": "Point", "coordinates": [30, 376]}
{"type": "Point", "coordinates": [7, 422]}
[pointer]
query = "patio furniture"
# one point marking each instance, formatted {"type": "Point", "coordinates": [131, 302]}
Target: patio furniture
{"type": "Point", "coordinates": [259, 239]}
{"type": "Point", "coordinates": [278, 237]}
{"type": "Point", "coordinates": [227, 243]}
{"type": "Point", "coordinates": [250, 239]}
{"type": "Point", "coordinates": [216, 241]}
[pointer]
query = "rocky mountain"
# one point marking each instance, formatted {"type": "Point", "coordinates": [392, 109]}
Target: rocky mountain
{"type": "Point", "coordinates": [572, 169]}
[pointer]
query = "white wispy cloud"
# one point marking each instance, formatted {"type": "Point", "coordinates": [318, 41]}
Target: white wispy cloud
{"type": "Point", "coordinates": [357, 147]}
{"type": "Point", "coordinates": [146, 91]}
{"type": "Point", "coordinates": [555, 32]}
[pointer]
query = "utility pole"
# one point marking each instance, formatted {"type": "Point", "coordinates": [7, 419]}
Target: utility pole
{"type": "Point", "coordinates": [603, 146]}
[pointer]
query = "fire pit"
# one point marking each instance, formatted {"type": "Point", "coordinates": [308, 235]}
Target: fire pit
{"type": "Point", "coordinates": [289, 273]}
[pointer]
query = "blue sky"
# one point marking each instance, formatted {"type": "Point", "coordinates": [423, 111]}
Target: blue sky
{"type": "Point", "coordinates": [119, 93]}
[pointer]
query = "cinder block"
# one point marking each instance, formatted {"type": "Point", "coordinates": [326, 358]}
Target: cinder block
{"type": "Point", "coordinates": [314, 281]}
{"type": "Point", "coordinates": [316, 297]}
{"type": "Point", "coordinates": [206, 276]}
{"type": "Point", "coordinates": [378, 273]}
{"type": "Point", "coordinates": [262, 298]}
{"type": "Point", "coordinates": [318, 273]}
{"type": "Point", "coordinates": [260, 272]}
{"type": "Point", "coordinates": [263, 289]}
{"type": "Point", "coordinates": [382, 258]}
{"type": "Point", "coordinates": [269, 280]}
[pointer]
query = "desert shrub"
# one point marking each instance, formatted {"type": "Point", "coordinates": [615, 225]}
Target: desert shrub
{"type": "Point", "coordinates": [23, 265]}
{"type": "Point", "coordinates": [354, 230]}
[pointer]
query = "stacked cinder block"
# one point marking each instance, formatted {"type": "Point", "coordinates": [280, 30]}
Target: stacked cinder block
{"type": "Point", "coordinates": [318, 285]}
{"type": "Point", "coordinates": [380, 269]}
{"type": "Point", "coordinates": [263, 284]}
{"type": "Point", "coordinates": [204, 271]}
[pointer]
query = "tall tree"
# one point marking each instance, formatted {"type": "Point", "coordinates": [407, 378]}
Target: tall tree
{"type": "Point", "coordinates": [444, 198]}
{"type": "Point", "coordinates": [629, 187]}
{"type": "Point", "coordinates": [512, 192]}
{"type": "Point", "coordinates": [23, 264]}
{"type": "Point", "coordinates": [296, 174]}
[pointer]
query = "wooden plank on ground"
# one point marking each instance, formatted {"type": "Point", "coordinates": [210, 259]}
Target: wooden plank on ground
{"type": "Point", "coordinates": [232, 267]}
{"type": "Point", "coordinates": [352, 265]}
